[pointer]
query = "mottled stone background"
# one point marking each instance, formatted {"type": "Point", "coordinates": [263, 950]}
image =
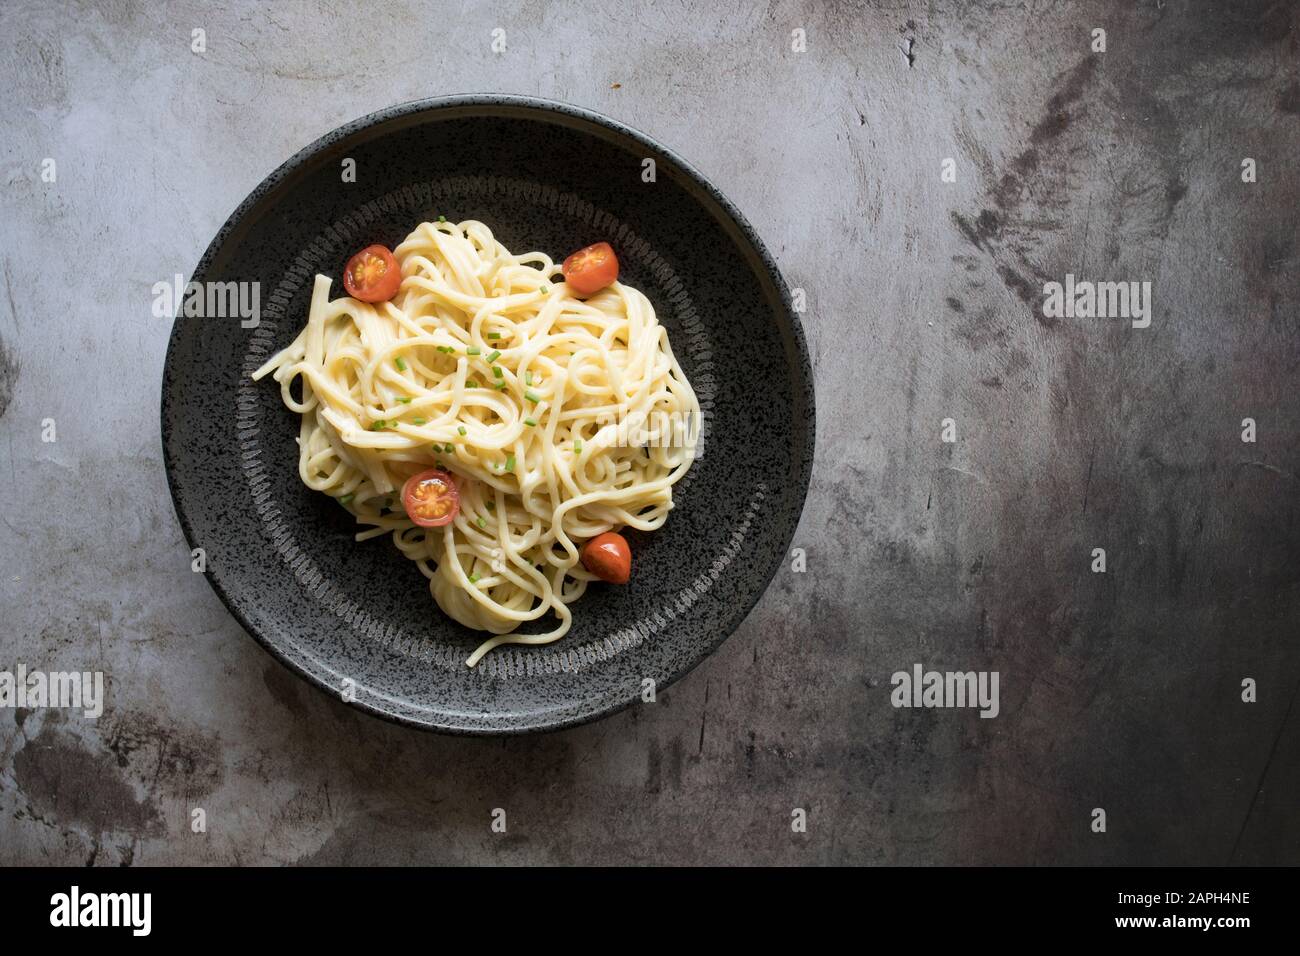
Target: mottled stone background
{"type": "Point", "coordinates": [1119, 690]}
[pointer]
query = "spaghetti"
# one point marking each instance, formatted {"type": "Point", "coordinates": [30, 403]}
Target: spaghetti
{"type": "Point", "coordinates": [559, 419]}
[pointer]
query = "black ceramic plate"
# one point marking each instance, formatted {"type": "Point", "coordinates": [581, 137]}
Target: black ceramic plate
{"type": "Point", "coordinates": [542, 176]}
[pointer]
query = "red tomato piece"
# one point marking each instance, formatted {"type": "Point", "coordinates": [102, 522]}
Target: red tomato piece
{"type": "Point", "coordinates": [372, 275]}
{"type": "Point", "coordinates": [431, 498]}
{"type": "Point", "coordinates": [608, 557]}
{"type": "Point", "coordinates": [591, 269]}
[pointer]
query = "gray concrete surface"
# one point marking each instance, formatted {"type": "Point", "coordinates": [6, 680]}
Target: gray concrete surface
{"type": "Point", "coordinates": [1120, 690]}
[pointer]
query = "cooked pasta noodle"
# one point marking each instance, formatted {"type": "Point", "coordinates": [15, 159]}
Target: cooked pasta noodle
{"type": "Point", "coordinates": [560, 418]}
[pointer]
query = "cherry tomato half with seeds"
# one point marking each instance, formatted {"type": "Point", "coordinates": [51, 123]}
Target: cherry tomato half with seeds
{"type": "Point", "coordinates": [431, 498]}
{"type": "Point", "coordinates": [608, 557]}
{"type": "Point", "coordinates": [372, 275]}
{"type": "Point", "coordinates": [591, 269]}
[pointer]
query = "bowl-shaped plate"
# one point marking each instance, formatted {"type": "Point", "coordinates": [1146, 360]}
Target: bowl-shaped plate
{"type": "Point", "coordinates": [358, 619]}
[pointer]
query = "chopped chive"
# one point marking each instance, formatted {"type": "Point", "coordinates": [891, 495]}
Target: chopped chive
{"type": "Point", "coordinates": [480, 522]}
{"type": "Point", "coordinates": [528, 378]}
{"type": "Point", "coordinates": [545, 288]}
{"type": "Point", "coordinates": [378, 425]}
{"type": "Point", "coordinates": [405, 401]}
{"type": "Point", "coordinates": [532, 397]}
{"type": "Point", "coordinates": [470, 383]}
{"type": "Point", "coordinates": [462, 430]}
{"type": "Point", "coordinates": [400, 363]}
{"type": "Point", "coordinates": [451, 449]}
{"type": "Point", "coordinates": [496, 370]}
{"type": "Point", "coordinates": [442, 218]}
{"type": "Point", "coordinates": [577, 445]}
{"type": "Point", "coordinates": [502, 387]}
{"type": "Point", "coordinates": [473, 579]}
{"type": "Point", "coordinates": [445, 348]}
{"type": "Point", "coordinates": [473, 350]}
{"type": "Point", "coordinates": [344, 499]}
{"type": "Point", "coordinates": [510, 463]}
{"type": "Point", "coordinates": [530, 423]}
{"type": "Point", "coordinates": [494, 335]}
{"type": "Point", "coordinates": [493, 357]}
{"type": "Point", "coordinates": [418, 421]}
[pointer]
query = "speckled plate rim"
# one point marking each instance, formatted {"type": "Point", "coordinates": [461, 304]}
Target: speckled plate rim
{"type": "Point", "coordinates": [724, 210]}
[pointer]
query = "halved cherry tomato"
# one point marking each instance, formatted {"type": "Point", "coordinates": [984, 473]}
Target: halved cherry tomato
{"type": "Point", "coordinates": [372, 275]}
{"type": "Point", "coordinates": [430, 498]}
{"type": "Point", "coordinates": [608, 557]}
{"type": "Point", "coordinates": [591, 269]}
